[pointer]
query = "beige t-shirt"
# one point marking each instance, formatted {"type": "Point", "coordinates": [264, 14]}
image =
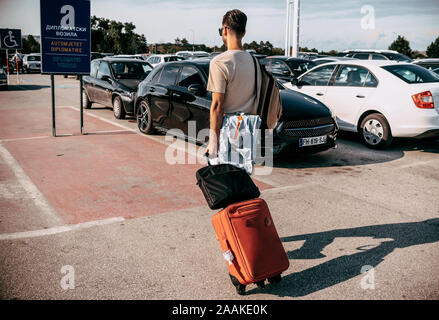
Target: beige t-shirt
{"type": "Point", "coordinates": [233, 73]}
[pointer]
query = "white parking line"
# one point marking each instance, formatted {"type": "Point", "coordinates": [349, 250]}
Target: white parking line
{"type": "Point", "coordinates": [29, 187]}
{"type": "Point", "coordinates": [60, 229]}
{"type": "Point", "coordinates": [27, 138]}
{"type": "Point", "coordinates": [177, 146]}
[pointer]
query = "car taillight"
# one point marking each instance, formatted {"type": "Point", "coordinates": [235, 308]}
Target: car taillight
{"type": "Point", "coordinates": [423, 100]}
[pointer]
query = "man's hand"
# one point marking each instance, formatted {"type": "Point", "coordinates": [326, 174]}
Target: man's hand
{"type": "Point", "coordinates": [212, 149]}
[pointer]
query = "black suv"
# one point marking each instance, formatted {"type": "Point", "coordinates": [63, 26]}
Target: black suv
{"type": "Point", "coordinates": [285, 68]}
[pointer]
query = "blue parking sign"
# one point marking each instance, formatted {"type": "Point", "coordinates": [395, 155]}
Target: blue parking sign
{"type": "Point", "coordinates": [65, 36]}
{"type": "Point", "coordinates": [10, 39]}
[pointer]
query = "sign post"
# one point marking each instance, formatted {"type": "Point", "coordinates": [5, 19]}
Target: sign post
{"type": "Point", "coordinates": [17, 66]}
{"type": "Point", "coordinates": [52, 90]}
{"type": "Point", "coordinates": [65, 43]}
{"type": "Point", "coordinates": [7, 63]}
{"type": "Point", "coordinates": [294, 50]}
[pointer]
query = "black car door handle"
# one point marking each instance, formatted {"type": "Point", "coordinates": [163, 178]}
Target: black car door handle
{"type": "Point", "coordinates": [360, 96]}
{"type": "Point", "coordinates": [176, 95]}
{"type": "Point", "coordinates": [319, 94]}
{"type": "Point", "coordinates": [152, 89]}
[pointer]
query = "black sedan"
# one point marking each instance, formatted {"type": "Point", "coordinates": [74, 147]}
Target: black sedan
{"type": "Point", "coordinates": [113, 82]}
{"type": "Point", "coordinates": [3, 79]}
{"type": "Point", "coordinates": [175, 93]}
{"type": "Point", "coordinates": [286, 69]}
{"type": "Point", "coordinates": [430, 64]}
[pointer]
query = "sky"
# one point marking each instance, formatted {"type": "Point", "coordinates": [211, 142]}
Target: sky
{"type": "Point", "coordinates": [324, 24]}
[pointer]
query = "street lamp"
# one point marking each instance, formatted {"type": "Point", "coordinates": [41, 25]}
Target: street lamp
{"type": "Point", "coordinates": [287, 30]}
{"type": "Point", "coordinates": [193, 39]}
{"type": "Point", "coordinates": [296, 15]}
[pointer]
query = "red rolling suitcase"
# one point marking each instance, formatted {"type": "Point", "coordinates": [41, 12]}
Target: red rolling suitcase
{"type": "Point", "coordinates": [250, 243]}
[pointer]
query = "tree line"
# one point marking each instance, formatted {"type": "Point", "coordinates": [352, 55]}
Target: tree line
{"type": "Point", "coordinates": [119, 38]}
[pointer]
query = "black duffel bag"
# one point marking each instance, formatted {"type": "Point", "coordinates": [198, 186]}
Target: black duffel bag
{"type": "Point", "coordinates": [225, 184]}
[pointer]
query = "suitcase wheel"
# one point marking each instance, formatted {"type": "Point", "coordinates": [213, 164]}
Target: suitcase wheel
{"type": "Point", "coordinates": [275, 279]}
{"type": "Point", "coordinates": [240, 288]}
{"type": "Point", "coordinates": [261, 284]}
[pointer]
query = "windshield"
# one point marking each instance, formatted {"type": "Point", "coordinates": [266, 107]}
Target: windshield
{"type": "Point", "coordinates": [169, 59]}
{"type": "Point", "coordinates": [205, 68]}
{"type": "Point", "coordinates": [33, 58]}
{"type": "Point", "coordinates": [399, 57]}
{"type": "Point", "coordinates": [412, 73]}
{"type": "Point", "coordinates": [130, 70]}
{"type": "Point", "coordinates": [300, 67]}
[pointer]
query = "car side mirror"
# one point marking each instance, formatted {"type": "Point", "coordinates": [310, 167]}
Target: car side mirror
{"type": "Point", "coordinates": [295, 82]}
{"type": "Point", "coordinates": [197, 89]}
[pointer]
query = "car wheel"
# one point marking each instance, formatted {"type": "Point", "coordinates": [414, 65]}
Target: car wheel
{"type": "Point", "coordinates": [119, 112]}
{"type": "Point", "coordinates": [375, 131]}
{"type": "Point", "coordinates": [144, 118]}
{"type": "Point", "coordinates": [86, 103]}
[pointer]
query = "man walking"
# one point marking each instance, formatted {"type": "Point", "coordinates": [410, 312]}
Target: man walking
{"type": "Point", "coordinates": [232, 79]}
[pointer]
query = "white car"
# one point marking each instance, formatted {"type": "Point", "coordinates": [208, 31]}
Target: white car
{"type": "Point", "coordinates": [32, 62]}
{"type": "Point", "coordinates": [378, 99]}
{"type": "Point", "coordinates": [189, 55]}
{"type": "Point", "coordinates": [156, 59]}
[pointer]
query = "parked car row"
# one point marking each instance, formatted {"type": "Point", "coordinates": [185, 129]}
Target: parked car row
{"type": "Point", "coordinates": [378, 99]}
{"type": "Point", "coordinates": [174, 93]}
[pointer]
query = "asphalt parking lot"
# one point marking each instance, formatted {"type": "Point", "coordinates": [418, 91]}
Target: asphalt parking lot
{"type": "Point", "coordinates": [132, 226]}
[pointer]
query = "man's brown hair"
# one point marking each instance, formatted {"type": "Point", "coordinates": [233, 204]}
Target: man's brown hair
{"type": "Point", "coordinates": [235, 20]}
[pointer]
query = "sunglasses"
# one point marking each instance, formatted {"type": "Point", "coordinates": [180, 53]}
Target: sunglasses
{"type": "Point", "coordinates": [220, 30]}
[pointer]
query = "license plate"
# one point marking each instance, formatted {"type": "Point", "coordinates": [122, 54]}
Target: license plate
{"type": "Point", "coordinates": [314, 141]}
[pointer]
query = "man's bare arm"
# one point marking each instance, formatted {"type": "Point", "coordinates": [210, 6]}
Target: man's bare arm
{"type": "Point", "coordinates": [216, 121]}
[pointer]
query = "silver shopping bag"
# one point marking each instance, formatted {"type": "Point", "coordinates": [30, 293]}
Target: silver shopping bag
{"type": "Point", "coordinates": [239, 138]}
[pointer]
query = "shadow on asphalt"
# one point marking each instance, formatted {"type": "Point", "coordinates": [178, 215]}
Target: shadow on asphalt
{"type": "Point", "coordinates": [20, 87]}
{"type": "Point", "coordinates": [399, 144]}
{"type": "Point", "coordinates": [108, 133]}
{"type": "Point", "coordinates": [355, 153]}
{"type": "Point", "coordinates": [346, 267]}
{"type": "Point", "coordinates": [101, 108]}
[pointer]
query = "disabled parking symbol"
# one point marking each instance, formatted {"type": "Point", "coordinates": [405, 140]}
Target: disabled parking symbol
{"type": "Point", "coordinates": [10, 39]}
